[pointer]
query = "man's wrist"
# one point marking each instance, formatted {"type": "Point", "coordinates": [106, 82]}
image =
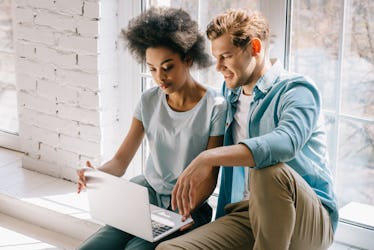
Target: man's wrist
{"type": "Point", "coordinates": [205, 158]}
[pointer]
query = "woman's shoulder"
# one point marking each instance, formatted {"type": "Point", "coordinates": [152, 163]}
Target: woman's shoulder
{"type": "Point", "coordinates": [151, 93]}
{"type": "Point", "coordinates": [215, 96]}
{"type": "Point", "coordinates": [215, 101]}
{"type": "Point", "coordinates": [151, 97]}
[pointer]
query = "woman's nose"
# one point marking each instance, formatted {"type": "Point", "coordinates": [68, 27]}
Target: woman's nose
{"type": "Point", "coordinates": [160, 77]}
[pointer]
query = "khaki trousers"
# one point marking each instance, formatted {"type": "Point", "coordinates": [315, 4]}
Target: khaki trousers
{"type": "Point", "coordinates": [283, 212]}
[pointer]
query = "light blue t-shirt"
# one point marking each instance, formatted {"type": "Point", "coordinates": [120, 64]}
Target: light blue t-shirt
{"type": "Point", "coordinates": [176, 138]}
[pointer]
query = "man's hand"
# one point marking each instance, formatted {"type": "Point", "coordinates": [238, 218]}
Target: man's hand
{"type": "Point", "coordinates": [194, 186]}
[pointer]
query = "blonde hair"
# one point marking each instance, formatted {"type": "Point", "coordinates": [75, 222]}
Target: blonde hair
{"type": "Point", "coordinates": [242, 25]}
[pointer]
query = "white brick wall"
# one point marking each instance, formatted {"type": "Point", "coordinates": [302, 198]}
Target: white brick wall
{"type": "Point", "coordinates": [67, 80]}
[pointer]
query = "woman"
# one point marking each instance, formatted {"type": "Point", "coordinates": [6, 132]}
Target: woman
{"type": "Point", "coordinates": [180, 117]}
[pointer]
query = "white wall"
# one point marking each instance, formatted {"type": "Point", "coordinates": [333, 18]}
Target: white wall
{"type": "Point", "coordinates": [67, 80]}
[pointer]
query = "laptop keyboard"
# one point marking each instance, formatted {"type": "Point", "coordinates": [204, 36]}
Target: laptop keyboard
{"type": "Point", "coordinates": [159, 228]}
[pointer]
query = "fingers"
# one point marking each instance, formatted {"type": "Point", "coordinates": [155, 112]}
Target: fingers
{"type": "Point", "coordinates": [82, 181]}
{"type": "Point", "coordinates": [80, 187]}
{"type": "Point", "coordinates": [185, 227]}
{"type": "Point", "coordinates": [174, 196]}
{"type": "Point", "coordinates": [180, 200]}
{"type": "Point", "coordinates": [180, 197]}
{"type": "Point", "coordinates": [185, 200]}
{"type": "Point", "coordinates": [88, 164]}
{"type": "Point", "coordinates": [192, 197]}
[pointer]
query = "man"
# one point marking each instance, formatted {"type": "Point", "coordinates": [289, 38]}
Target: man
{"type": "Point", "coordinates": [283, 197]}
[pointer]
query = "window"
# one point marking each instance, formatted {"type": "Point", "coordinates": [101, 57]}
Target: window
{"type": "Point", "coordinates": [130, 82]}
{"type": "Point", "coordinates": [201, 11]}
{"type": "Point", "coordinates": [332, 41]}
{"type": "Point", "coordinates": [8, 93]}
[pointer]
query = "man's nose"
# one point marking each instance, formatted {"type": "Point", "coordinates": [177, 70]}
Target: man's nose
{"type": "Point", "coordinates": [219, 65]}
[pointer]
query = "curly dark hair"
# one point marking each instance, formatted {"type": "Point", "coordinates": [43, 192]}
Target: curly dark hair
{"type": "Point", "coordinates": [166, 27]}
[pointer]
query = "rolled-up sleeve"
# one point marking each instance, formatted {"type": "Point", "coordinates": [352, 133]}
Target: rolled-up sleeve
{"type": "Point", "coordinates": [294, 120]}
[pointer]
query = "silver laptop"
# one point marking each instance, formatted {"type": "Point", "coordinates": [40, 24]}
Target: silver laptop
{"type": "Point", "coordinates": [125, 205]}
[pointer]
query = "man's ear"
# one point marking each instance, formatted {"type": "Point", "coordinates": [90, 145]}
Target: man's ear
{"type": "Point", "coordinates": [256, 46]}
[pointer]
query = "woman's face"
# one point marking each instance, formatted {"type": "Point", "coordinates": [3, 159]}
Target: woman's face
{"type": "Point", "coordinates": [167, 68]}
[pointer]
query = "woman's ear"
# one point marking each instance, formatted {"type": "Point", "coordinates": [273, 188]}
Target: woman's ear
{"type": "Point", "coordinates": [188, 61]}
{"type": "Point", "coordinates": [256, 46]}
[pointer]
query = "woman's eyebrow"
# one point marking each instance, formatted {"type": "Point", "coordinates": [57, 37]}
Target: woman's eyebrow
{"type": "Point", "coordinates": [163, 62]}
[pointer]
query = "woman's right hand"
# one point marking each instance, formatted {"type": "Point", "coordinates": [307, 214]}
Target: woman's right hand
{"type": "Point", "coordinates": [82, 180]}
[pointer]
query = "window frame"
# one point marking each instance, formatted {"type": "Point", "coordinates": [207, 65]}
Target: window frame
{"type": "Point", "coordinates": [11, 140]}
{"type": "Point", "coordinates": [281, 25]}
{"type": "Point", "coordinates": [130, 85]}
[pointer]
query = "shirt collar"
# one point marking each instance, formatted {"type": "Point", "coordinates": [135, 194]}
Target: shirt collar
{"type": "Point", "coordinates": [266, 82]}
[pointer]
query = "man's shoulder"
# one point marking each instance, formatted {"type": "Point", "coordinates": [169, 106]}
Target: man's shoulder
{"type": "Point", "coordinates": [292, 77]}
{"type": "Point", "coordinates": [290, 80]}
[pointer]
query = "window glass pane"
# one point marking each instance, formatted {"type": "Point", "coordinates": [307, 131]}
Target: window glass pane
{"type": "Point", "coordinates": [339, 56]}
{"type": "Point", "coordinates": [358, 60]}
{"type": "Point", "coordinates": [356, 138]}
{"type": "Point", "coordinates": [356, 163]}
{"type": "Point", "coordinates": [191, 6]}
{"type": "Point", "coordinates": [147, 82]}
{"type": "Point", "coordinates": [8, 97]}
{"type": "Point", "coordinates": [316, 26]}
{"type": "Point", "coordinates": [330, 126]}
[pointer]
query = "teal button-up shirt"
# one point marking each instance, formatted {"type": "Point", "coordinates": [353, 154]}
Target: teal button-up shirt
{"type": "Point", "coordinates": [284, 125]}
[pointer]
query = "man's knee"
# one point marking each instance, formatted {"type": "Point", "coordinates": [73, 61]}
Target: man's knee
{"type": "Point", "coordinates": [271, 181]}
{"type": "Point", "coordinates": [269, 174]}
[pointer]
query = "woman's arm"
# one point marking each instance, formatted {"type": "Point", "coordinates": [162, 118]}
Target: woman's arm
{"type": "Point", "coordinates": [118, 164]}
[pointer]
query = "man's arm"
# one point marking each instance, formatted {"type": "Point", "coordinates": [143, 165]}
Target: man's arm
{"type": "Point", "coordinates": [191, 183]}
{"type": "Point", "coordinates": [204, 188]}
{"type": "Point", "coordinates": [298, 113]}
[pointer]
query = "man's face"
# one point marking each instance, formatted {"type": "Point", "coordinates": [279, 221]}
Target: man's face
{"type": "Point", "coordinates": [236, 64]}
